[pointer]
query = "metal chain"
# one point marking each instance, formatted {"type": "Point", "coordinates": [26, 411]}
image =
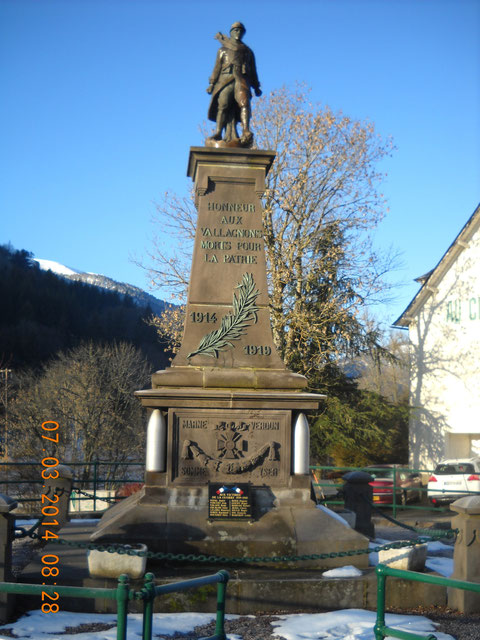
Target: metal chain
{"type": "Point", "coordinates": [94, 497]}
{"type": "Point", "coordinates": [30, 533]}
{"type": "Point", "coordinates": [445, 533]}
{"type": "Point", "coordinates": [111, 548]}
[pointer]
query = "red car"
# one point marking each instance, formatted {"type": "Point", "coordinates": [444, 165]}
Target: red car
{"type": "Point", "coordinates": [408, 485]}
{"type": "Point", "coordinates": [128, 489]}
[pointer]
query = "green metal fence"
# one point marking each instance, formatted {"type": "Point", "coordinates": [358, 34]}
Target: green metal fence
{"type": "Point", "coordinates": [122, 594]}
{"type": "Point", "coordinates": [330, 488]}
{"type": "Point", "coordinates": [101, 474]}
{"type": "Point", "coordinates": [150, 592]}
{"type": "Point", "coordinates": [383, 571]}
{"type": "Point", "coordinates": [22, 480]}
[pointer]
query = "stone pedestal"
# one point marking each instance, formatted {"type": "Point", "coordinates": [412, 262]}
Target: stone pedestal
{"type": "Point", "coordinates": [7, 535]}
{"type": "Point", "coordinates": [466, 555]}
{"type": "Point", "coordinates": [229, 471]}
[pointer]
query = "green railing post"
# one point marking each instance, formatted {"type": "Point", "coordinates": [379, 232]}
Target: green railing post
{"type": "Point", "coordinates": [123, 594]}
{"type": "Point", "coordinates": [95, 463]}
{"type": "Point", "coordinates": [221, 594]}
{"type": "Point", "coordinates": [148, 593]}
{"type": "Point", "coordinates": [394, 491]}
{"type": "Point", "coordinates": [382, 571]}
{"type": "Point", "coordinates": [380, 621]}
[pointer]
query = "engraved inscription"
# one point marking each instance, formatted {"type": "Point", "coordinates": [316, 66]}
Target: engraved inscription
{"type": "Point", "coordinates": [231, 206]}
{"type": "Point", "coordinates": [216, 241]}
{"type": "Point", "coordinates": [239, 259]}
{"type": "Point", "coordinates": [194, 424]}
{"type": "Point", "coordinates": [193, 471]}
{"type": "Point", "coordinates": [273, 425]}
{"type": "Point", "coordinates": [231, 220]}
{"type": "Point", "coordinates": [199, 316]}
{"type": "Point", "coordinates": [255, 350]}
{"type": "Point", "coordinates": [208, 232]}
{"type": "Point", "coordinates": [217, 245]}
{"type": "Point", "coordinates": [248, 246]}
{"type": "Point", "coordinates": [269, 472]}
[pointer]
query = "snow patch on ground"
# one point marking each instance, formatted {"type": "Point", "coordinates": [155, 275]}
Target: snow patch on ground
{"type": "Point", "coordinates": [348, 571]}
{"type": "Point", "coordinates": [348, 624]}
{"type": "Point", "coordinates": [51, 626]}
{"type": "Point", "coordinates": [435, 546]}
{"type": "Point", "coordinates": [443, 566]}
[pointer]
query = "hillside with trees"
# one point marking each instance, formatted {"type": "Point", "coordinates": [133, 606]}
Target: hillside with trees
{"type": "Point", "coordinates": [43, 314]}
{"type": "Point", "coordinates": [74, 353]}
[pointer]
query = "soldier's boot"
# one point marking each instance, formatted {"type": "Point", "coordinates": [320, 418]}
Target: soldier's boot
{"type": "Point", "coordinates": [221, 121]}
{"type": "Point", "coordinates": [247, 135]}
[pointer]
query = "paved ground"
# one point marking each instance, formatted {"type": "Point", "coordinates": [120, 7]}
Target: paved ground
{"type": "Point", "coordinates": [460, 626]}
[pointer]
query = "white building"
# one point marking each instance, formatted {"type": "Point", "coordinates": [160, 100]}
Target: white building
{"type": "Point", "coordinates": [443, 322]}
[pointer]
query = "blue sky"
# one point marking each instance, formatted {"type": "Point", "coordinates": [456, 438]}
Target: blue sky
{"type": "Point", "coordinates": [101, 100]}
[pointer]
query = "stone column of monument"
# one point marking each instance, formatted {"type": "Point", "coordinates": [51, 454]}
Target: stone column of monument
{"type": "Point", "coordinates": [227, 470]}
{"type": "Point", "coordinates": [227, 442]}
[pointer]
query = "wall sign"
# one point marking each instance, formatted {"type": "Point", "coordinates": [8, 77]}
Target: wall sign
{"type": "Point", "coordinates": [229, 501]}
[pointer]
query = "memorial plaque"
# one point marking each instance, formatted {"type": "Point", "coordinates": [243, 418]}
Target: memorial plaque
{"type": "Point", "coordinates": [225, 446]}
{"type": "Point", "coordinates": [229, 501]}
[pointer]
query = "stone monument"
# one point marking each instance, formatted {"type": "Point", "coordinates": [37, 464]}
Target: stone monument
{"type": "Point", "coordinates": [227, 462]}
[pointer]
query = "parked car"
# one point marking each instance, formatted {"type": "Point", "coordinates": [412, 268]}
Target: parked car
{"type": "Point", "coordinates": [408, 486]}
{"type": "Point", "coordinates": [127, 490]}
{"type": "Point", "coordinates": [453, 479]}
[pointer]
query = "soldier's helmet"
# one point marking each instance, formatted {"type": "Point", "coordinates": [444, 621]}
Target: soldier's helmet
{"type": "Point", "coordinates": [238, 25]}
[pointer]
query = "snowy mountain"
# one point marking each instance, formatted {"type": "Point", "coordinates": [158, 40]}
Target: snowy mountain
{"type": "Point", "coordinates": [140, 297]}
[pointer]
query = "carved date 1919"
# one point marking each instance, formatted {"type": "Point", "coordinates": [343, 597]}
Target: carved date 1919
{"type": "Point", "coordinates": [257, 350]}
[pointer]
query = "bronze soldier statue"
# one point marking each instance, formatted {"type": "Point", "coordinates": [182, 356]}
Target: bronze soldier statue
{"type": "Point", "coordinates": [230, 85]}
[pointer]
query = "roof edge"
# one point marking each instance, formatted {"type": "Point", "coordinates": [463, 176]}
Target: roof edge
{"type": "Point", "coordinates": [437, 272]}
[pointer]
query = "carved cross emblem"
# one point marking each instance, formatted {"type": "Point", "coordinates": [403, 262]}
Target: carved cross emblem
{"type": "Point", "coordinates": [229, 442]}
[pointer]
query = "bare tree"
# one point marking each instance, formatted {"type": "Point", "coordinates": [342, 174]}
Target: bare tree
{"type": "Point", "coordinates": [89, 392]}
{"type": "Point", "coordinates": [321, 206]}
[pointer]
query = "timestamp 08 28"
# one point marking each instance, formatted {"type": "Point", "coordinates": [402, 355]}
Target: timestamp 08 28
{"type": "Point", "coordinates": [50, 510]}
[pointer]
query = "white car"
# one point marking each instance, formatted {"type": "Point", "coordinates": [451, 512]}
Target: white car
{"type": "Point", "coordinates": [453, 479]}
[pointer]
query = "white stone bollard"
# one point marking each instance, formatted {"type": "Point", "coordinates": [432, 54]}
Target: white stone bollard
{"type": "Point", "coordinates": [102, 564]}
{"type": "Point", "coordinates": [301, 446]}
{"type": "Point", "coordinates": [156, 455]}
{"type": "Point", "coordinates": [406, 558]}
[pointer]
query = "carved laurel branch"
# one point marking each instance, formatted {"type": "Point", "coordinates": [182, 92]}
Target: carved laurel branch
{"type": "Point", "coordinates": [234, 325]}
{"type": "Point", "coordinates": [229, 466]}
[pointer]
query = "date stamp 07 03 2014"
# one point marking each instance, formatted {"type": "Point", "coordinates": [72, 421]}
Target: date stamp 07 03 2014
{"type": "Point", "coordinates": [49, 511]}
